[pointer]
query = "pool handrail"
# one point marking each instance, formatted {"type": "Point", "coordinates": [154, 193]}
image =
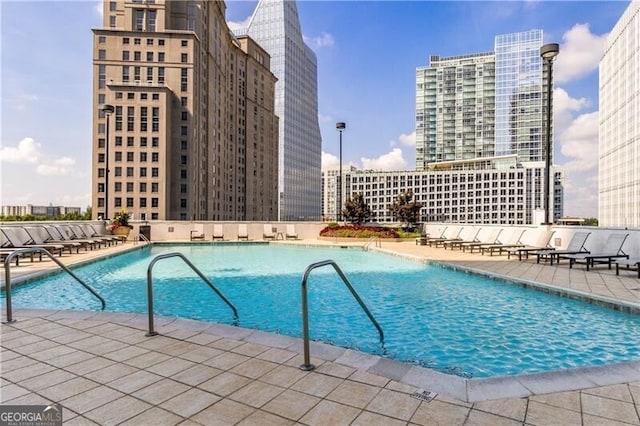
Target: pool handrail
{"type": "Point", "coordinates": [194, 269]}
{"type": "Point", "coordinates": [144, 238]}
{"type": "Point", "coordinates": [7, 276]}
{"type": "Point", "coordinates": [307, 366]}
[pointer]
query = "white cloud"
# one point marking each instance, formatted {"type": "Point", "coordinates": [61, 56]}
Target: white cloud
{"type": "Point", "coordinates": [580, 53]}
{"type": "Point", "coordinates": [579, 143]}
{"type": "Point", "coordinates": [564, 108]}
{"type": "Point", "coordinates": [27, 152]}
{"type": "Point", "coordinates": [408, 140]}
{"type": "Point", "coordinates": [238, 25]}
{"type": "Point", "coordinates": [324, 118]}
{"type": "Point", "coordinates": [323, 40]}
{"type": "Point", "coordinates": [390, 161]}
{"type": "Point", "coordinates": [99, 8]}
{"type": "Point", "coordinates": [330, 161]}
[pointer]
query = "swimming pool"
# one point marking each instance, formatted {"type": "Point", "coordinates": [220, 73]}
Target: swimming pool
{"type": "Point", "coordinates": [453, 322]}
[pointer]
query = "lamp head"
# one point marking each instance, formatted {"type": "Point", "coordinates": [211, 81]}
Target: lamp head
{"type": "Point", "coordinates": [340, 125]}
{"type": "Point", "coordinates": [108, 109]}
{"type": "Point", "coordinates": [549, 51]}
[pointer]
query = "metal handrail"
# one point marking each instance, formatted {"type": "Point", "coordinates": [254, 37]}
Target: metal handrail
{"type": "Point", "coordinates": [7, 276]}
{"type": "Point", "coordinates": [144, 238]}
{"type": "Point", "coordinates": [196, 270]}
{"type": "Point", "coordinates": [373, 240]}
{"type": "Point", "coordinates": [305, 312]}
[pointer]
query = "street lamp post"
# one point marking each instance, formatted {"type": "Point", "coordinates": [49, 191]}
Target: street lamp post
{"type": "Point", "coordinates": [108, 110]}
{"type": "Point", "coordinates": [548, 52]}
{"type": "Point", "coordinates": [340, 126]}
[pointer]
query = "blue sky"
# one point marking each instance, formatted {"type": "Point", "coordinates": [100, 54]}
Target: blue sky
{"type": "Point", "coordinates": [367, 56]}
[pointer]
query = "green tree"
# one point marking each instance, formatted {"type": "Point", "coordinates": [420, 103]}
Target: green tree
{"type": "Point", "coordinates": [406, 210]}
{"type": "Point", "coordinates": [356, 210]}
{"type": "Point", "coordinates": [590, 221]}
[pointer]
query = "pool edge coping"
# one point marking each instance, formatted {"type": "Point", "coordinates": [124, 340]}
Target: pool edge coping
{"type": "Point", "coordinates": [468, 390]}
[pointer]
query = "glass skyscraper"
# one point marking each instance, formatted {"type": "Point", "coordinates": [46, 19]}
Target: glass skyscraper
{"type": "Point", "coordinates": [519, 96]}
{"type": "Point", "coordinates": [275, 26]}
{"type": "Point", "coordinates": [482, 104]}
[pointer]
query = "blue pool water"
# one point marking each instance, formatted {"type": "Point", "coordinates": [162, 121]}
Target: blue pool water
{"type": "Point", "coordinates": [435, 317]}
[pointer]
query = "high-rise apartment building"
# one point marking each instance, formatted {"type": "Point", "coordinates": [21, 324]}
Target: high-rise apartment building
{"type": "Point", "coordinates": [471, 109]}
{"type": "Point", "coordinates": [276, 27]}
{"type": "Point", "coordinates": [193, 132]}
{"type": "Point", "coordinates": [496, 190]}
{"type": "Point", "coordinates": [482, 104]}
{"type": "Point", "coordinates": [619, 130]}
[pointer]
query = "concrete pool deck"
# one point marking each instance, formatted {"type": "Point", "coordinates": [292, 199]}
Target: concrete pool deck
{"type": "Point", "coordinates": [103, 369]}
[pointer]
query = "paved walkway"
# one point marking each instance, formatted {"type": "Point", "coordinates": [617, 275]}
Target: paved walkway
{"type": "Point", "coordinates": [103, 369]}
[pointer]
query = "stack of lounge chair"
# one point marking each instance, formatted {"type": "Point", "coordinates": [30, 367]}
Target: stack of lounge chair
{"type": "Point", "coordinates": [612, 249]}
{"type": "Point", "coordinates": [576, 246]}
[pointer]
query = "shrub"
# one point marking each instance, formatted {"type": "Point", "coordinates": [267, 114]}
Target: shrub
{"type": "Point", "coordinates": [358, 231]}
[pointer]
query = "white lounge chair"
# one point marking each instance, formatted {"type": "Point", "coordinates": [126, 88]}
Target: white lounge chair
{"type": "Point", "coordinates": [268, 232]}
{"type": "Point", "coordinates": [218, 233]}
{"type": "Point", "coordinates": [243, 233]}
{"type": "Point", "coordinates": [291, 233]}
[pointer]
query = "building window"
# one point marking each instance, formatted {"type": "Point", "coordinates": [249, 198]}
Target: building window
{"type": "Point", "coordinates": [129, 157]}
{"type": "Point", "coordinates": [184, 43]}
{"type": "Point", "coordinates": [139, 20]}
{"type": "Point", "coordinates": [154, 187]}
{"type": "Point", "coordinates": [143, 141]}
{"type": "Point", "coordinates": [136, 41]}
{"type": "Point", "coordinates": [183, 130]}
{"type": "Point", "coordinates": [102, 76]}
{"type": "Point", "coordinates": [118, 156]}
{"type": "Point", "coordinates": [161, 42]}
{"type": "Point", "coordinates": [184, 115]}
{"type": "Point", "coordinates": [101, 143]}
{"type": "Point", "coordinates": [154, 202]}
{"type": "Point", "coordinates": [155, 96]}
{"type": "Point", "coordinates": [129, 171]}
{"type": "Point", "coordinates": [183, 173]}
{"type": "Point", "coordinates": [143, 186]}
{"type": "Point", "coordinates": [125, 55]}
{"type": "Point", "coordinates": [100, 158]}
{"type": "Point", "coordinates": [101, 172]}
{"type": "Point", "coordinates": [160, 56]}
{"type": "Point", "coordinates": [184, 79]}
{"type": "Point", "coordinates": [154, 172]}
{"type": "Point", "coordinates": [143, 119]}
{"type": "Point", "coordinates": [118, 202]}
{"type": "Point", "coordinates": [154, 216]}
{"type": "Point", "coordinates": [130, 118]}
{"type": "Point", "coordinates": [183, 203]}
{"type": "Point", "coordinates": [155, 142]}
{"type": "Point", "coordinates": [118, 171]}
{"type": "Point", "coordinates": [183, 159]}
{"type": "Point", "coordinates": [102, 39]}
{"type": "Point", "coordinates": [129, 201]}
{"type": "Point", "coordinates": [155, 157]}
{"type": "Point", "coordinates": [160, 75]}
{"type": "Point", "coordinates": [131, 95]}
{"type": "Point", "coordinates": [125, 73]}
{"type": "Point", "coordinates": [102, 54]}
{"type": "Point", "coordinates": [129, 186]}
{"type": "Point", "coordinates": [149, 56]}
{"type": "Point", "coordinates": [149, 42]}
{"type": "Point", "coordinates": [183, 145]}
{"type": "Point", "coordinates": [155, 119]}
{"type": "Point", "coordinates": [129, 140]}
{"type": "Point", "coordinates": [149, 77]}
{"type": "Point", "coordinates": [112, 6]}
{"type": "Point", "coordinates": [125, 40]}
{"type": "Point", "coordinates": [183, 58]}
{"type": "Point", "coordinates": [183, 188]}
{"type": "Point", "coordinates": [136, 56]}
{"type": "Point", "coordinates": [143, 202]}
{"type": "Point", "coordinates": [112, 21]}
{"type": "Point", "coordinates": [143, 171]}
{"type": "Point", "coordinates": [143, 157]}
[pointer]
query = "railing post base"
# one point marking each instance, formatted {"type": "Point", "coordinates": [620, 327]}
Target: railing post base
{"type": "Point", "coordinates": [307, 367]}
{"type": "Point", "coordinates": [151, 334]}
{"type": "Point", "coordinates": [9, 321]}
